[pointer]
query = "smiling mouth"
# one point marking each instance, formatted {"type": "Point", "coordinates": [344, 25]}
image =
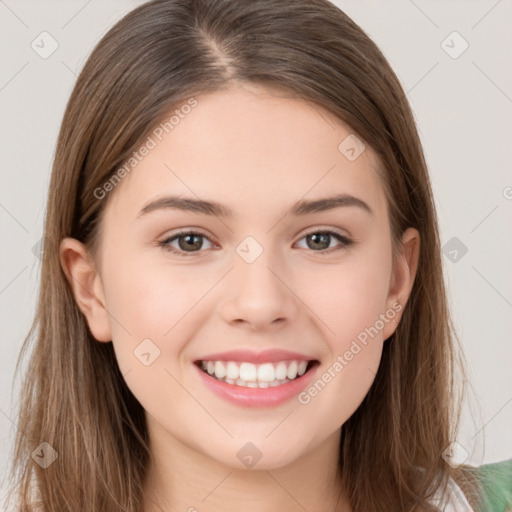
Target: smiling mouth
{"type": "Point", "coordinates": [251, 375]}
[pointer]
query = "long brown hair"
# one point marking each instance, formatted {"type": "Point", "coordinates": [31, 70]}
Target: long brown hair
{"type": "Point", "coordinates": [74, 397]}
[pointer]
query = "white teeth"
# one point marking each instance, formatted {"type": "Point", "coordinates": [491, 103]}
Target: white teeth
{"type": "Point", "coordinates": [220, 371]}
{"type": "Point", "coordinates": [248, 372]}
{"type": "Point", "coordinates": [266, 372]}
{"type": "Point", "coordinates": [245, 384]}
{"type": "Point", "coordinates": [292, 370]}
{"type": "Point", "coordinates": [232, 370]}
{"type": "Point", "coordinates": [281, 371]}
{"type": "Point", "coordinates": [254, 376]}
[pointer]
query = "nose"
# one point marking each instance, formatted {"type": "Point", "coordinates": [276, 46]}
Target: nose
{"type": "Point", "coordinates": [260, 296]}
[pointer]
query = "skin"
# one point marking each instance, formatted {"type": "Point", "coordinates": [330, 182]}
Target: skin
{"type": "Point", "coordinates": [258, 152]}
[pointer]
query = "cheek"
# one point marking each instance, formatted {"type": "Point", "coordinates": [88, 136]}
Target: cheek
{"type": "Point", "coordinates": [150, 295]}
{"type": "Point", "coordinates": [353, 308]}
{"type": "Point", "coordinates": [153, 306]}
{"type": "Point", "coordinates": [349, 296]}
{"type": "Point", "coordinates": [146, 301]}
{"type": "Point", "coordinates": [349, 299]}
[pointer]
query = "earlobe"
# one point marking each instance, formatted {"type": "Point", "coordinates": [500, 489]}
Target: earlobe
{"type": "Point", "coordinates": [87, 287]}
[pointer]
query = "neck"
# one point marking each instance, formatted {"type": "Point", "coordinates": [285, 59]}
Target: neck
{"type": "Point", "coordinates": [180, 478]}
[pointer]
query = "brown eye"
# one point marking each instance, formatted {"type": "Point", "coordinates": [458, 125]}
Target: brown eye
{"type": "Point", "coordinates": [188, 242]}
{"type": "Point", "coordinates": [321, 240]}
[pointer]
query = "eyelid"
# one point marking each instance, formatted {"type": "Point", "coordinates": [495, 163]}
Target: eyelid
{"type": "Point", "coordinates": [324, 229]}
{"type": "Point", "coordinates": [186, 231]}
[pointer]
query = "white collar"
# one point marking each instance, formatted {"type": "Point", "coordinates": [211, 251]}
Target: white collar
{"type": "Point", "coordinates": [454, 500]}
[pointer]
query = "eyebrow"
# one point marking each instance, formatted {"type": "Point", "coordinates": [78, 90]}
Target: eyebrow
{"type": "Point", "coordinates": [302, 207]}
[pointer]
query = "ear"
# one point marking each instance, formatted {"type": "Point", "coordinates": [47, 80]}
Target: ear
{"type": "Point", "coordinates": [87, 287]}
{"type": "Point", "coordinates": [402, 278]}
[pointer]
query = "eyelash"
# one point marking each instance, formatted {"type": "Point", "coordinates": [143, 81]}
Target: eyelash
{"type": "Point", "coordinates": [345, 242]}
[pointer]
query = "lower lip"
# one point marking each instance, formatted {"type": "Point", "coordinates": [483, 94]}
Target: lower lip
{"type": "Point", "coordinates": [258, 397]}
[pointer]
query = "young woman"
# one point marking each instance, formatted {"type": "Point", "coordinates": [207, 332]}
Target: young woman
{"type": "Point", "coordinates": [242, 303]}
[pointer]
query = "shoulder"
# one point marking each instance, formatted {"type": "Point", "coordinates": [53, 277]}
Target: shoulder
{"type": "Point", "coordinates": [457, 502]}
{"type": "Point", "coordinates": [496, 491]}
{"type": "Point", "coordinates": [496, 481]}
{"type": "Point", "coordinates": [453, 499]}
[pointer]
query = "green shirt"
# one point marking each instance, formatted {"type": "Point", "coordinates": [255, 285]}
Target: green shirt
{"type": "Point", "coordinates": [496, 480]}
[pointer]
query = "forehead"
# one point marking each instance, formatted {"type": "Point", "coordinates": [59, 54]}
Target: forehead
{"type": "Point", "coordinates": [251, 147]}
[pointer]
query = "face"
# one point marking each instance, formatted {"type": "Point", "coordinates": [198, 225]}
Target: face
{"type": "Point", "coordinates": [180, 286]}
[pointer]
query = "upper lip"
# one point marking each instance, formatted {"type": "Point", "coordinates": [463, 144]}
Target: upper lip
{"type": "Point", "coordinates": [266, 356]}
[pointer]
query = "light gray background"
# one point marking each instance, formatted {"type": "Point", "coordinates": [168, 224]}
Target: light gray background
{"type": "Point", "coordinates": [463, 108]}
